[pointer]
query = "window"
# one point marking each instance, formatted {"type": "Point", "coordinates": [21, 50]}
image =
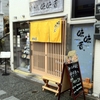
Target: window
{"type": "Point", "coordinates": [82, 8]}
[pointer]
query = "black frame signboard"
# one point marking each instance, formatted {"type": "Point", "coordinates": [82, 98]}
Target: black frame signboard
{"type": "Point", "coordinates": [75, 79]}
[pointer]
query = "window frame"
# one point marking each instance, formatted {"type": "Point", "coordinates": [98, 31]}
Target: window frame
{"type": "Point", "coordinates": [80, 18]}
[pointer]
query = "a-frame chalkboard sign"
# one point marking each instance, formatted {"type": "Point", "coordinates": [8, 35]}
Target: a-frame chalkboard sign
{"type": "Point", "coordinates": [75, 80]}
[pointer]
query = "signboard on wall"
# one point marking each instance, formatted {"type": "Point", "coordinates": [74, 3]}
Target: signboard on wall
{"type": "Point", "coordinates": [39, 7]}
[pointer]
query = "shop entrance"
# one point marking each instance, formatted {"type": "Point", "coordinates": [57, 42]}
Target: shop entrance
{"type": "Point", "coordinates": [21, 46]}
{"type": "Point", "coordinates": [48, 58]}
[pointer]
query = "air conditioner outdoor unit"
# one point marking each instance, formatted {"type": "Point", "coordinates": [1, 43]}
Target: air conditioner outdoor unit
{"type": "Point", "coordinates": [97, 11]}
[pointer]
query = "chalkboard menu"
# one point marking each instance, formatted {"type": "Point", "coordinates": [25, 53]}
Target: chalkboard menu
{"type": "Point", "coordinates": [75, 79]}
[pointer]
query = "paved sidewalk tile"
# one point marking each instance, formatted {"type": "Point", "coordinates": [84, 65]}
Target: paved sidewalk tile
{"type": "Point", "coordinates": [11, 98]}
{"type": "Point", "coordinates": [2, 92]}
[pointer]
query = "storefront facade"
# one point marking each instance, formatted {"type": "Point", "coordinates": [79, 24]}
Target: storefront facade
{"type": "Point", "coordinates": [78, 33]}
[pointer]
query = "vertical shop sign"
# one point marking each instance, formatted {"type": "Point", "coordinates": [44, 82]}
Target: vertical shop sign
{"type": "Point", "coordinates": [45, 6]}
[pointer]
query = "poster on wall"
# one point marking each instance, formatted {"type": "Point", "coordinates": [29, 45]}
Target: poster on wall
{"type": "Point", "coordinates": [39, 7]}
{"type": "Point", "coordinates": [46, 31]}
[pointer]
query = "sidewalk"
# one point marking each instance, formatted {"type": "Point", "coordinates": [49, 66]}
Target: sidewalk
{"type": "Point", "coordinates": [21, 85]}
{"type": "Point", "coordinates": [38, 79]}
{"type": "Point", "coordinates": [29, 76]}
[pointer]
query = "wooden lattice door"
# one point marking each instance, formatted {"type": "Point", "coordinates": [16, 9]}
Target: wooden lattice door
{"type": "Point", "coordinates": [48, 58]}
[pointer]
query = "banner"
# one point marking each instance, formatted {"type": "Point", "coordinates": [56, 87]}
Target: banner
{"type": "Point", "coordinates": [34, 32]}
{"type": "Point", "coordinates": [46, 31]}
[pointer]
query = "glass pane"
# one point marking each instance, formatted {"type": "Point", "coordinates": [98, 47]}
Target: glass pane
{"type": "Point", "coordinates": [21, 45]}
{"type": "Point", "coordinates": [82, 8]}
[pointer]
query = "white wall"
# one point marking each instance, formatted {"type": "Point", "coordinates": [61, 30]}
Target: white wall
{"type": "Point", "coordinates": [21, 7]}
{"type": "Point", "coordinates": [98, 1]}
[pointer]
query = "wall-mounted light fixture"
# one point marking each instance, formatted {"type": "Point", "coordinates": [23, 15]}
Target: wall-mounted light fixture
{"type": "Point", "coordinates": [15, 17]}
{"type": "Point", "coordinates": [23, 16]}
{"type": "Point", "coordinates": [28, 22]}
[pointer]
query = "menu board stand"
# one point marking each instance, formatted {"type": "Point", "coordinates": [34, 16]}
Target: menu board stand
{"type": "Point", "coordinates": [75, 80]}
